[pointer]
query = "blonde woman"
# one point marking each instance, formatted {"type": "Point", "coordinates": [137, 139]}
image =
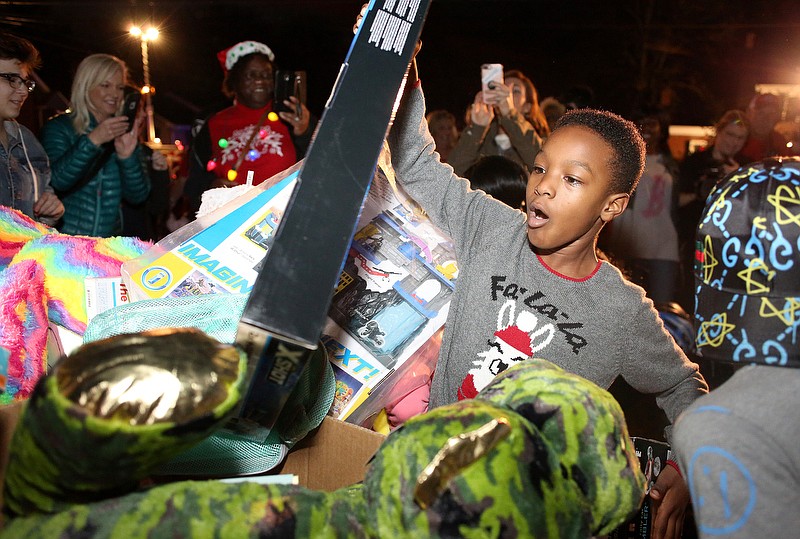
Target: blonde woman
{"type": "Point", "coordinates": [94, 152]}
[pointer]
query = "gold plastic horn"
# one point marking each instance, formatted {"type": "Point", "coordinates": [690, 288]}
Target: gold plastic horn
{"type": "Point", "coordinates": [170, 374]}
{"type": "Point", "coordinates": [456, 454]}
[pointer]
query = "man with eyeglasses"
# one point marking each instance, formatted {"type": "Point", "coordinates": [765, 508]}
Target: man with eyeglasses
{"type": "Point", "coordinates": [24, 167]}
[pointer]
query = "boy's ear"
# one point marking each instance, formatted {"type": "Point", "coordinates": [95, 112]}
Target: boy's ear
{"type": "Point", "coordinates": [615, 205]}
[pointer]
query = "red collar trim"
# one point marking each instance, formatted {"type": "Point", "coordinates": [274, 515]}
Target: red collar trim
{"type": "Point", "coordinates": [554, 272]}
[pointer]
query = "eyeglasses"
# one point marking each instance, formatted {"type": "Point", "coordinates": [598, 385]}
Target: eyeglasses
{"type": "Point", "coordinates": [18, 82]}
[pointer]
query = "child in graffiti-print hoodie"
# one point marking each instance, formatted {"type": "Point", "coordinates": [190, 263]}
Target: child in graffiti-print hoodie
{"type": "Point", "coordinates": [530, 285]}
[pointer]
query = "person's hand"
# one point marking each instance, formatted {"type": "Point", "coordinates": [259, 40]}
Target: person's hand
{"type": "Point", "coordinates": [125, 143]}
{"type": "Point", "coordinates": [108, 130]}
{"type": "Point", "coordinates": [48, 207]}
{"type": "Point", "coordinates": [360, 17]}
{"type": "Point", "coordinates": [412, 74]}
{"type": "Point", "coordinates": [299, 123]}
{"type": "Point", "coordinates": [480, 113]}
{"type": "Point", "coordinates": [159, 161]}
{"type": "Point", "coordinates": [670, 496]}
{"type": "Point", "coordinates": [501, 98]}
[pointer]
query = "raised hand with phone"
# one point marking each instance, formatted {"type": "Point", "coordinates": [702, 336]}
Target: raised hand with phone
{"type": "Point", "coordinates": [498, 122]}
{"type": "Point", "coordinates": [506, 97]}
{"type": "Point", "coordinates": [290, 99]}
{"type": "Point", "coordinates": [122, 128]}
{"type": "Point", "coordinates": [134, 114]}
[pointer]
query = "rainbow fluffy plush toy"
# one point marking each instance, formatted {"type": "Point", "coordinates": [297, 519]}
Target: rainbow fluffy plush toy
{"type": "Point", "coordinates": [23, 319]}
{"type": "Point", "coordinates": [42, 276]}
{"type": "Point", "coordinates": [68, 260]}
{"type": "Point", "coordinates": [17, 229]}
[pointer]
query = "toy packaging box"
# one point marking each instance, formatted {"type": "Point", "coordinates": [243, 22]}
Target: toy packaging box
{"type": "Point", "coordinates": [218, 254]}
{"type": "Point", "coordinates": [104, 293]}
{"type": "Point", "coordinates": [392, 296]}
{"type": "Point", "coordinates": [652, 455]}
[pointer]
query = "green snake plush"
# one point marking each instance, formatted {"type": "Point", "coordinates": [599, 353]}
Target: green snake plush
{"type": "Point", "coordinates": [539, 453]}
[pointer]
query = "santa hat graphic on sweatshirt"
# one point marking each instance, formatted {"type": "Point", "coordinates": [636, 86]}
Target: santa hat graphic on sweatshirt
{"type": "Point", "coordinates": [516, 344]}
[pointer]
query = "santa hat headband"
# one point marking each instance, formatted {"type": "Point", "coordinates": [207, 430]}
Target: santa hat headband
{"type": "Point", "coordinates": [228, 57]}
{"type": "Point", "coordinates": [516, 338]}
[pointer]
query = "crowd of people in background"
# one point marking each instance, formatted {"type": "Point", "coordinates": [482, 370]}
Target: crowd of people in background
{"type": "Point", "coordinates": [94, 174]}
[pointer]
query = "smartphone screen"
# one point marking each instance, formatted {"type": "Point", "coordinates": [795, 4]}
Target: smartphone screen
{"type": "Point", "coordinates": [289, 83]}
{"type": "Point", "coordinates": [130, 107]}
{"type": "Point", "coordinates": [490, 75]}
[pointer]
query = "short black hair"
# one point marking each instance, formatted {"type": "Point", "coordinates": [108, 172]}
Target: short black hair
{"type": "Point", "coordinates": [500, 177]}
{"type": "Point", "coordinates": [621, 135]}
{"type": "Point", "coordinates": [18, 48]}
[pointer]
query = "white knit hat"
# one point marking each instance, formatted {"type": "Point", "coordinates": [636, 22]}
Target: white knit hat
{"type": "Point", "coordinates": [228, 57]}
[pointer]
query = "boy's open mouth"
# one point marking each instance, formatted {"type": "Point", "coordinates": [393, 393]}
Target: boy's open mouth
{"type": "Point", "coordinates": [537, 217]}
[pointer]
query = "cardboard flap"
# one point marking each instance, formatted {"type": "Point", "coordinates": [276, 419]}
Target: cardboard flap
{"type": "Point", "coordinates": [333, 456]}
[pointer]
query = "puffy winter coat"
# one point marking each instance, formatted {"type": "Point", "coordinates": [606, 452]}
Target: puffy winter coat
{"type": "Point", "coordinates": [93, 209]}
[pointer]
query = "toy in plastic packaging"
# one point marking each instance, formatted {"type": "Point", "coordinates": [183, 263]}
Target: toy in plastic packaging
{"type": "Point", "coordinates": [218, 253]}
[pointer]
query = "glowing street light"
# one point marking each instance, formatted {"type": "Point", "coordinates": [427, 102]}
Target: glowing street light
{"type": "Point", "coordinates": [145, 36]}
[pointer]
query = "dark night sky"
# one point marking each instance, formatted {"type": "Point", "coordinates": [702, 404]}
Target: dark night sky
{"type": "Point", "coordinates": [710, 52]}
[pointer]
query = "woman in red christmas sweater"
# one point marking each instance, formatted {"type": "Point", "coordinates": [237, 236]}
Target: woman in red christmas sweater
{"type": "Point", "coordinates": [249, 135]}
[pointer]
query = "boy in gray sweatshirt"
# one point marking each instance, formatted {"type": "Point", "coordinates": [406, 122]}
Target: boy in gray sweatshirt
{"type": "Point", "coordinates": [530, 285]}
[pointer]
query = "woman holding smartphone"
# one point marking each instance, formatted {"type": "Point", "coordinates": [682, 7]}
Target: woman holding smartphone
{"type": "Point", "coordinates": [94, 151]}
{"type": "Point", "coordinates": [261, 132]}
{"type": "Point", "coordinates": [499, 123]}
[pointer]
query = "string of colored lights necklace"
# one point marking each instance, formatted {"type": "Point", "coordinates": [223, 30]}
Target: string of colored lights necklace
{"type": "Point", "coordinates": [233, 172]}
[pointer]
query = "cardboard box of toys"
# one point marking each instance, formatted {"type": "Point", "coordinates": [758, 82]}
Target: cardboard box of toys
{"type": "Point", "coordinates": [393, 296]}
{"type": "Point", "coordinates": [653, 456]}
{"type": "Point", "coordinates": [333, 456]}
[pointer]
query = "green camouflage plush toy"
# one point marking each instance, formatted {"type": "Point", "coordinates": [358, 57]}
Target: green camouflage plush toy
{"type": "Point", "coordinates": [471, 469]}
{"type": "Point", "coordinates": [586, 427]}
{"type": "Point", "coordinates": [205, 509]}
{"type": "Point", "coordinates": [105, 417]}
{"type": "Point", "coordinates": [539, 453]}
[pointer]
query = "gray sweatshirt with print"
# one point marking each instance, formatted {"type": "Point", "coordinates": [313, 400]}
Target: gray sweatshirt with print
{"type": "Point", "coordinates": [509, 306]}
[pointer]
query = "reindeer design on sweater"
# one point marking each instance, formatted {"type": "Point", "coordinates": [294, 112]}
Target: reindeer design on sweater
{"type": "Point", "coordinates": [515, 340]}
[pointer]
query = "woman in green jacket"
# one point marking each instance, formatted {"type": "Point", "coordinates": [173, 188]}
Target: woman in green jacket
{"type": "Point", "coordinates": [94, 152]}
